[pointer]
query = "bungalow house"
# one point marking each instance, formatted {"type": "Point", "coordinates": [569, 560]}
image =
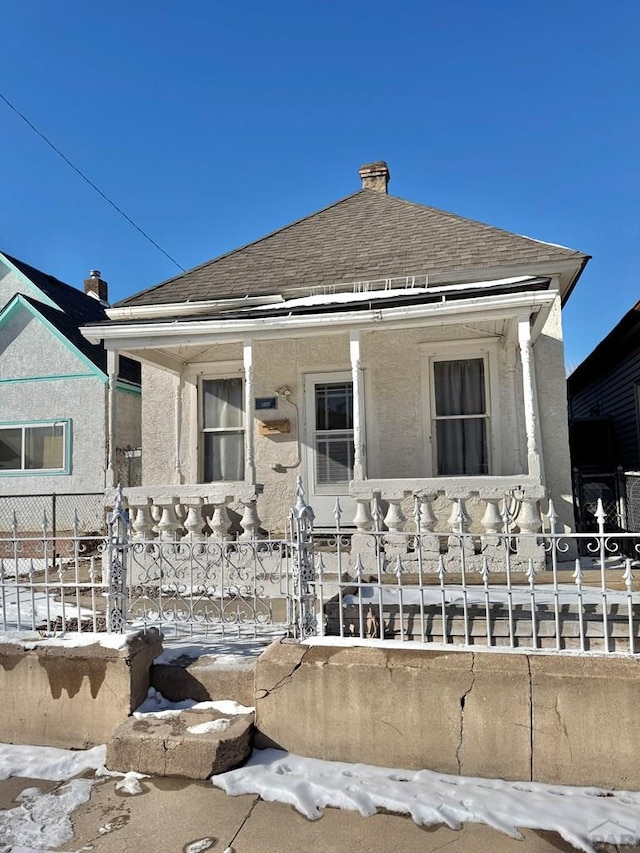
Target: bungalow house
{"type": "Point", "coordinates": [376, 348]}
{"type": "Point", "coordinates": [54, 392]}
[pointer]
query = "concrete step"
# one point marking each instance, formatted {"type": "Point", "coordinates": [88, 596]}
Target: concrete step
{"type": "Point", "coordinates": [193, 744]}
{"type": "Point", "coordinates": [207, 677]}
{"type": "Point", "coordinates": [409, 625]}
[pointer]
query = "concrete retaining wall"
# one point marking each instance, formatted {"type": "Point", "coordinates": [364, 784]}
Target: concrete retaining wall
{"type": "Point", "coordinates": [71, 697]}
{"type": "Point", "coordinates": [546, 718]}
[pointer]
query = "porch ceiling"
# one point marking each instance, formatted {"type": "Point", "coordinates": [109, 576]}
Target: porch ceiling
{"type": "Point", "coordinates": [176, 357]}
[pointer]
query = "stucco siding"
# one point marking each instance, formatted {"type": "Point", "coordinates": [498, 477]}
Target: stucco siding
{"type": "Point", "coordinates": [11, 283]}
{"type": "Point", "coordinates": [553, 415]}
{"type": "Point", "coordinates": [82, 401]}
{"type": "Point", "coordinates": [128, 419]}
{"type": "Point", "coordinates": [158, 449]}
{"type": "Point", "coordinates": [28, 348]}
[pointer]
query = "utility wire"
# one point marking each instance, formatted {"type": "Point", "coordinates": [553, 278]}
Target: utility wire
{"type": "Point", "coordinates": [89, 181]}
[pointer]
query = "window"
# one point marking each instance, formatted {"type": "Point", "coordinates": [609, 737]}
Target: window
{"type": "Point", "coordinates": [333, 433]}
{"type": "Point", "coordinates": [34, 447]}
{"type": "Point", "coordinates": [460, 417]}
{"type": "Point", "coordinates": [222, 419]}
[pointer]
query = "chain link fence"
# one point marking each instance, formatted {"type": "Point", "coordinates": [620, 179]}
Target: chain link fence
{"type": "Point", "coordinates": [56, 513]}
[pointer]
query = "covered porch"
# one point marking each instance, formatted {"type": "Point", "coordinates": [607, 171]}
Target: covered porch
{"type": "Point", "coordinates": [433, 405]}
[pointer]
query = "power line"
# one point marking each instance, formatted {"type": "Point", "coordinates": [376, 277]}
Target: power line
{"type": "Point", "coordinates": [89, 181]}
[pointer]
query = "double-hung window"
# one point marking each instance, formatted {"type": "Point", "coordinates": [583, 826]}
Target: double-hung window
{"type": "Point", "coordinates": [461, 416]}
{"type": "Point", "coordinates": [34, 447]}
{"type": "Point", "coordinates": [222, 431]}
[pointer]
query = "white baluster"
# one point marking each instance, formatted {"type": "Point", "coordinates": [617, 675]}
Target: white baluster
{"type": "Point", "coordinates": [142, 523]}
{"type": "Point", "coordinates": [459, 522]}
{"type": "Point", "coordinates": [168, 524]}
{"type": "Point", "coordinates": [219, 522]}
{"type": "Point", "coordinates": [363, 519]}
{"type": "Point", "coordinates": [395, 519]}
{"type": "Point", "coordinates": [492, 524]}
{"type": "Point", "coordinates": [193, 523]}
{"type": "Point", "coordinates": [530, 522]}
{"type": "Point", "coordinates": [250, 522]}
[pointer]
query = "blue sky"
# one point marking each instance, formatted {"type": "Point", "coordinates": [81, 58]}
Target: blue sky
{"type": "Point", "coordinates": [212, 124]}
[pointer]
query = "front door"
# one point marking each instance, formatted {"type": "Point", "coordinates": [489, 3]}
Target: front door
{"type": "Point", "coordinates": [329, 446]}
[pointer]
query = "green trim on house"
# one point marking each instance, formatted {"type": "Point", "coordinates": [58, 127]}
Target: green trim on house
{"type": "Point", "coordinates": [41, 296]}
{"type": "Point", "coordinates": [45, 472]}
{"type": "Point", "coordinates": [18, 301]}
{"type": "Point", "coordinates": [51, 378]}
{"type": "Point", "coordinates": [127, 388]}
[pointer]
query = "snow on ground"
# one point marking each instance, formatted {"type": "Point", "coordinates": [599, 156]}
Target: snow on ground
{"type": "Point", "coordinates": [229, 651]}
{"type": "Point", "coordinates": [155, 705]}
{"type": "Point", "coordinates": [48, 762]}
{"type": "Point", "coordinates": [34, 608]}
{"type": "Point", "coordinates": [41, 821]}
{"type": "Point", "coordinates": [68, 639]}
{"type": "Point", "coordinates": [310, 785]}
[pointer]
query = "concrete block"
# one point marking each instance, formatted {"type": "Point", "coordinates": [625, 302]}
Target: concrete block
{"type": "Point", "coordinates": [390, 707]}
{"type": "Point", "coordinates": [495, 715]}
{"type": "Point", "coordinates": [586, 720]}
{"type": "Point", "coordinates": [72, 697]}
{"type": "Point", "coordinates": [207, 677]}
{"type": "Point", "coordinates": [194, 744]}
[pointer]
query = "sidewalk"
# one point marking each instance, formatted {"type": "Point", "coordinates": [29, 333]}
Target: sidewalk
{"type": "Point", "coordinates": [176, 816]}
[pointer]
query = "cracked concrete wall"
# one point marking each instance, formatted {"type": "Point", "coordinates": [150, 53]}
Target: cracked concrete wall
{"type": "Point", "coordinates": [526, 717]}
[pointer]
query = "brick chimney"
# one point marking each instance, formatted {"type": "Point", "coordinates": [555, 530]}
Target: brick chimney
{"type": "Point", "coordinates": [375, 176]}
{"type": "Point", "coordinates": [95, 286]}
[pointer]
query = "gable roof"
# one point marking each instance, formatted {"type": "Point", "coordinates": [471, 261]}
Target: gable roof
{"type": "Point", "coordinates": [75, 309]}
{"type": "Point", "coordinates": [69, 299]}
{"type": "Point", "coordinates": [365, 236]}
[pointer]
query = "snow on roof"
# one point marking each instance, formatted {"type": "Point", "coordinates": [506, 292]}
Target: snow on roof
{"type": "Point", "coordinates": [383, 293]}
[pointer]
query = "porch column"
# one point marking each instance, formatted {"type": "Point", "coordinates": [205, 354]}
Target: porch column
{"type": "Point", "coordinates": [358, 409]}
{"type": "Point", "coordinates": [113, 364]}
{"type": "Point", "coordinates": [177, 408]}
{"type": "Point", "coordinates": [249, 462]}
{"type": "Point", "coordinates": [529, 387]}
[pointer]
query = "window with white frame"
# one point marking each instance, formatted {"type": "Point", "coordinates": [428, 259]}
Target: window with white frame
{"type": "Point", "coordinates": [460, 416]}
{"type": "Point", "coordinates": [33, 447]}
{"type": "Point", "coordinates": [222, 429]}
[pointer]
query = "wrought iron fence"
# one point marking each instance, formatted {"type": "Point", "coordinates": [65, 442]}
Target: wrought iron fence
{"type": "Point", "coordinates": [468, 590]}
{"type": "Point", "coordinates": [499, 589]}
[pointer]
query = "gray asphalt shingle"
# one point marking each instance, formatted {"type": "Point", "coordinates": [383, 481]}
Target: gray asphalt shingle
{"type": "Point", "coordinates": [367, 235]}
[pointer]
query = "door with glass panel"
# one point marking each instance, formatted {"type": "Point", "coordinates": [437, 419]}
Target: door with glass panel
{"type": "Point", "coordinates": [221, 430]}
{"type": "Point", "coordinates": [329, 445]}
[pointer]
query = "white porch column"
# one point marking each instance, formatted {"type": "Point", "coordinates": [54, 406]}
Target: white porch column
{"type": "Point", "coordinates": [177, 408]}
{"type": "Point", "coordinates": [518, 465]}
{"type": "Point", "coordinates": [113, 364]}
{"type": "Point", "coordinates": [358, 409]}
{"type": "Point", "coordinates": [249, 461]}
{"type": "Point", "coordinates": [529, 387]}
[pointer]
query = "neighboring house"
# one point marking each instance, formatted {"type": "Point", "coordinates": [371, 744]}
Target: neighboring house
{"type": "Point", "coordinates": [54, 393]}
{"type": "Point", "coordinates": [604, 423]}
{"type": "Point", "coordinates": [376, 347]}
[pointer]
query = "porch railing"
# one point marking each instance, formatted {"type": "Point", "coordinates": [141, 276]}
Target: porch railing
{"type": "Point", "coordinates": [502, 587]}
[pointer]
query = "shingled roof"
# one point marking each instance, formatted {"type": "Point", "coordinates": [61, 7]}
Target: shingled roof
{"type": "Point", "coordinates": [367, 235]}
{"type": "Point", "coordinates": [75, 309]}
